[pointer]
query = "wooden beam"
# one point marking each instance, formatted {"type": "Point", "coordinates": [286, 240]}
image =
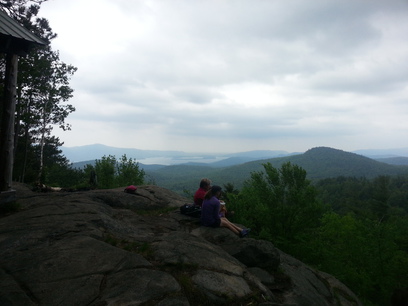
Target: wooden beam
{"type": "Point", "coordinates": [7, 123]}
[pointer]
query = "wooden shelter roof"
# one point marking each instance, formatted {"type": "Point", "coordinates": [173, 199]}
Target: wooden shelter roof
{"type": "Point", "coordinates": [14, 38]}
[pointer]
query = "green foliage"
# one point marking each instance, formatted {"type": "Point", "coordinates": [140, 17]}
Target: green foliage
{"type": "Point", "coordinates": [128, 172]}
{"type": "Point", "coordinates": [105, 172]}
{"type": "Point", "coordinates": [358, 234]}
{"type": "Point", "coordinates": [111, 173]}
{"type": "Point", "coordinates": [55, 166]}
{"type": "Point", "coordinates": [188, 194]}
{"type": "Point", "coordinates": [364, 241]}
{"type": "Point", "coordinates": [41, 94]}
{"type": "Point", "coordinates": [362, 253]}
{"type": "Point", "coordinates": [362, 196]}
{"type": "Point", "coordinates": [63, 175]}
{"type": "Point", "coordinates": [229, 192]}
{"type": "Point", "coordinates": [180, 178]}
{"type": "Point", "coordinates": [278, 205]}
{"type": "Point", "coordinates": [43, 88]}
{"type": "Point", "coordinates": [26, 165]}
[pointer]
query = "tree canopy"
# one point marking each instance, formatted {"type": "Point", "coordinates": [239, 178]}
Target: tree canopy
{"type": "Point", "coordinates": [352, 228]}
{"type": "Point", "coordinates": [43, 91]}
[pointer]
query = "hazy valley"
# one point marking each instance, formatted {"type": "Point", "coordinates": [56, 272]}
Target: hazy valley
{"type": "Point", "coordinates": [184, 170]}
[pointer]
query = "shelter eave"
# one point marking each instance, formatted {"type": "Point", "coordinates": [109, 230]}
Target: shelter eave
{"type": "Point", "coordinates": [12, 45]}
{"type": "Point", "coordinates": [14, 38]}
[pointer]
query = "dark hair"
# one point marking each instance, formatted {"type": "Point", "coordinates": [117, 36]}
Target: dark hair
{"type": "Point", "coordinates": [212, 192]}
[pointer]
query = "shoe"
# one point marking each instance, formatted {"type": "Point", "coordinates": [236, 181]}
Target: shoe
{"type": "Point", "coordinates": [245, 232]}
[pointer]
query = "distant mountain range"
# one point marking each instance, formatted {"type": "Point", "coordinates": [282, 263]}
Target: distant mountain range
{"type": "Point", "coordinates": [187, 169]}
{"type": "Point", "coordinates": [82, 155]}
{"type": "Point", "coordinates": [319, 163]}
{"type": "Point", "coordinates": [97, 151]}
{"type": "Point", "coordinates": [383, 153]}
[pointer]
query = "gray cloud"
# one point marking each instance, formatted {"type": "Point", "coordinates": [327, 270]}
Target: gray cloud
{"type": "Point", "coordinates": [237, 74]}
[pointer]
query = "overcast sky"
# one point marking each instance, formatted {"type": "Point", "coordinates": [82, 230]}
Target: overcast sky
{"type": "Point", "coordinates": [232, 75]}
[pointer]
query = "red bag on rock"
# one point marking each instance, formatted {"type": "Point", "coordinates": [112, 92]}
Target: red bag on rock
{"type": "Point", "coordinates": [131, 189]}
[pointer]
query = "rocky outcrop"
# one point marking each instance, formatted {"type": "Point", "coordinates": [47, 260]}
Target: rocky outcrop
{"type": "Point", "coordinates": [107, 247]}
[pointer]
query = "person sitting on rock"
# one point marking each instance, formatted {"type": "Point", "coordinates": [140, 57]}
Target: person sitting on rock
{"type": "Point", "coordinates": [210, 213]}
{"type": "Point", "coordinates": [205, 185]}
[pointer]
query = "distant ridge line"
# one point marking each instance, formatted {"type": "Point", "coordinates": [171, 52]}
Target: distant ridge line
{"type": "Point", "coordinates": [97, 151]}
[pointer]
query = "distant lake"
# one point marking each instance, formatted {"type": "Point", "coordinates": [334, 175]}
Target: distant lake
{"type": "Point", "coordinates": [180, 160]}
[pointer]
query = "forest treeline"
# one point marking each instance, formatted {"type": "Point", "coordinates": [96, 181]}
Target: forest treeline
{"type": "Point", "coordinates": [353, 228]}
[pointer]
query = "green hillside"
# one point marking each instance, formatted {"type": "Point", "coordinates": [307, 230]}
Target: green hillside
{"type": "Point", "coordinates": [325, 162]}
{"type": "Point", "coordinates": [319, 163]}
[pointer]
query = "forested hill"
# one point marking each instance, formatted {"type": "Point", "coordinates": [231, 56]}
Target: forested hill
{"type": "Point", "coordinates": [319, 163]}
{"type": "Point", "coordinates": [323, 162]}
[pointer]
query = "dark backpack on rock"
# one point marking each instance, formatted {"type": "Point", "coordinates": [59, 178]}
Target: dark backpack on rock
{"type": "Point", "coordinates": [190, 210]}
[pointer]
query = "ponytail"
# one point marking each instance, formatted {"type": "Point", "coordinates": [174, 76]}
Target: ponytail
{"type": "Point", "coordinates": [212, 192]}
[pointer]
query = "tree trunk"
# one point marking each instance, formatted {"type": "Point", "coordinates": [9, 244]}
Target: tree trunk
{"type": "Point", "coordinates": [42, 144]}
{"type": "Point", "coordinates": [17, 120]}
{"type": "Point", "coordinates": [26, 146]}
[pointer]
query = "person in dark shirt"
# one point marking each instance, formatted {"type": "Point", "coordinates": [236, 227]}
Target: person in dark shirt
{"type": "Point", "coordinates": [205, 185]}
{"type": "Point", "coordinates": [210, 213]}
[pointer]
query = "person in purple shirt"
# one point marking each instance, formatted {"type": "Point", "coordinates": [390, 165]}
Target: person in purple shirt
{"type": "Point", "coordinates": [210, 213]}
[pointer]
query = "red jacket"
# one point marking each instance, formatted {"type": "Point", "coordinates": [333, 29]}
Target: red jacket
{"type": "Point", "coordinates": [199, 196]}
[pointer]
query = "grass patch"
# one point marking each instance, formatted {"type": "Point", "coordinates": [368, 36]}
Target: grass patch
{"type": "Point", "coordinates": [111, 240]}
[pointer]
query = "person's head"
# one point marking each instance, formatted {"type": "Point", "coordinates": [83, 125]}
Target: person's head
{"type": "Point", "coordinates": [214, 191]}
{"type": "Point", "coordinates": [205, 183]}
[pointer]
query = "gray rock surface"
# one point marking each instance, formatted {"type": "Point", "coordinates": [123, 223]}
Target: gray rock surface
{"type": "Point", "coordinates": [107, 247]}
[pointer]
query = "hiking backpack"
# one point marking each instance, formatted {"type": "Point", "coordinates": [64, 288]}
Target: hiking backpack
{"type": "Point", "coordinates": [190, 210]}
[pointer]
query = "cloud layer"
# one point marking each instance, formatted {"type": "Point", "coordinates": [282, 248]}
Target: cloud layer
{"type": "Point", "coordinates": [225, 76]}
